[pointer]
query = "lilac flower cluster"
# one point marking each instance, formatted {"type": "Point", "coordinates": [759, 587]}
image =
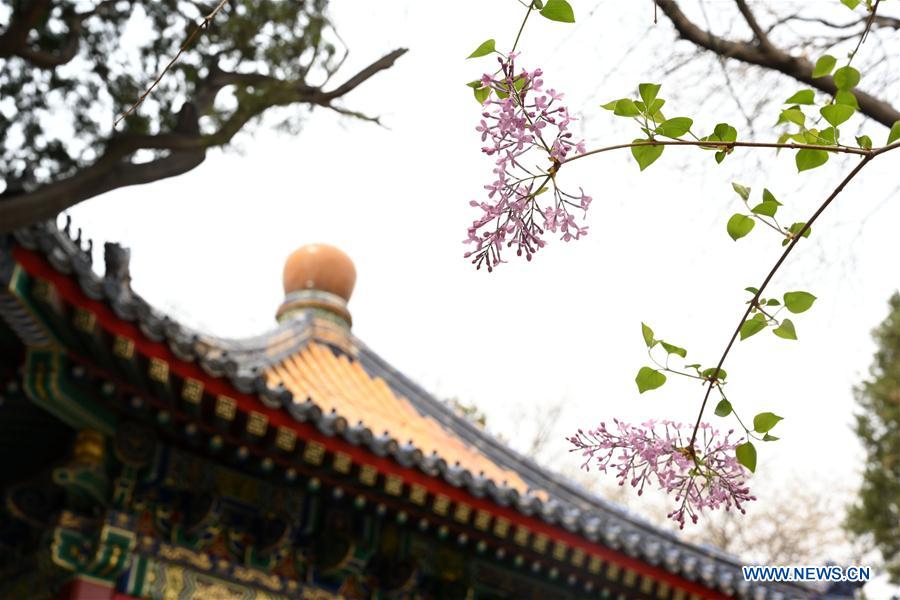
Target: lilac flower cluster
{"type": "Point", "coordinates": [703, 475]}
{"type": "Point", "coordinates": [522, 120]}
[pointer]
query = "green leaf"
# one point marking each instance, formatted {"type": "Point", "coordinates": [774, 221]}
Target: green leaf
{"type": "Point", "coordinates": [827, 137]}
{"type": "Point", "coordinates": [626, 108]}
{"type": "Point", "coordinates": [648, 92]}
{"type": "Point", "coordinates": [753, 326]}
{"type": "Point", "coordinates": [770, 438]}
{"type": "Point", "coordinates": [851, 4]}
{"type": "Point", "coordinates": [611, 105]}
{"type": "Point", "coordinates": [768, 207]}
{"type": "Point", "coordinates": [646, 155]}
{"type": "Point", "coordinates": [741, 190]}
{"type": "Point", "coordinates": [798, 302]}
{"type": "Point", "coordinates": [475, 84]}
{"type": "Point", "coordinates": [722, 374]}
{"type": "Point", "coordinates": [484, 49]}
{"type": "Point", "coordinates": [846, 78]}
{"type": "Point", "coordinates": [846, 97]}
{"type": "Point", "coordinates": [793, 229]}
{"type": "Point", "coordinates": [558, 10]}
{"type": "Point", "coordinates": [802, 97]}
{"type": "Point", "coordinates": [864, 142]}
{"type": "Point", "coordinates": [746, 455]}
{"type": "Point", "coordinates": [824, 66]}
{"type": "Point", "coordinates": [752, 290]}
{"type": "Point", "coordinates": [792, 115]}
{"type": "Point", "coordinates": [676, 127]}
{"type": "Point", "coordinates": [894, 135]}
{"type": "Point", "coordinates": [808, 158]}
{"type": "Point", "coordinates": [649, 379]}
{"type": "Point", "coordinates": [765, 208]}
{"type": "Point", "coordinates": [725, 132]}
{"type": "Point", "coordinates": [772, 302]}
{"type": "Point", "coordinates": [739, 225]}
{"type": "Point", "coordinates": [673, 349]}
{"type": "Point", "coordinates": [482, 94]}
{"type": "Point", "coordinates": [765, 421]}
{"type": "Point", "coordinates": [837, 113]}
{"type": "Point", "coordinates": [723, 408]}
{"type": "Point", "coordinates": [648, 335]}
{"type": "Point", "coordinates": [786, 330]}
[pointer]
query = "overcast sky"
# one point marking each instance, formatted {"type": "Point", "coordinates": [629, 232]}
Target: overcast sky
{"type": "Point", "coordinates": [208, 247]}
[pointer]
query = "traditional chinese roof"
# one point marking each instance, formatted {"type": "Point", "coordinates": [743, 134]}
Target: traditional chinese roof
{"type": "Point", "coordinates": [312, 370]}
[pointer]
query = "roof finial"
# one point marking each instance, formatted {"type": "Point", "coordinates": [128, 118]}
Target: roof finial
{"type": "Point", "coordinates": [318, 278]}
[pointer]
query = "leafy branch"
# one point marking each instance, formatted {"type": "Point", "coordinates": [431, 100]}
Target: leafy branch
{"type": "Point", "coordinates": [518, 114]}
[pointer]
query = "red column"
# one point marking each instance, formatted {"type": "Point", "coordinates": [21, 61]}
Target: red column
{"type": "Point", "coordinates": [80, 588]}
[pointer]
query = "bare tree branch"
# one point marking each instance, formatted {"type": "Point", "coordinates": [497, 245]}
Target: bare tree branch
{"type": "Point", "coordinates": [771, 57]}
{"type": "Point", "coordinates": [761, 37]}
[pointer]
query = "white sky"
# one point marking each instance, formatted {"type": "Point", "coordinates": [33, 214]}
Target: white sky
{"type": "Point", "coordinates": [209, 246]}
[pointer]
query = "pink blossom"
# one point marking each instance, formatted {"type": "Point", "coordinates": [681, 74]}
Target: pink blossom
{"type": "Point", "coordinates": [703, 475]}
{"type": "Point", "coordinates": [526, 131]}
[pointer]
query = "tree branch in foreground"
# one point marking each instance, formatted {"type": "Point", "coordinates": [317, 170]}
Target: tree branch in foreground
{"type": "Point", "coordinates": [185, 146]}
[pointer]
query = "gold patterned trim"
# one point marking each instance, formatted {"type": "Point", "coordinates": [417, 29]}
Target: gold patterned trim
{"type": "Point", "coordinates": [285, 439]}
{"type": "Point", "coordinates": [418, 494]}
{"type": "Point", "coordinates": [123, 347]}
{"type": "Point", "coordinates": [257, 424]}
{"type": "Point", "coordinates": [368, 475]}
{"type": "Point", "coordinates": [578, 557]}
{"type": "Point", "coordinates": [192, 391]}
{"type": "Point", "coordinates": [185, 555]}
{"type": "Point", "coordinates": [84, 320]}
{"type": "Point", "coordinates": [520, 537]}
{"type": "Point", "coordinates": [393, 485]}
{"type": "Point", "coordinates": [314, 453]}
{"type": "Point", "coordinates": [342, 463]}
{"type": "Point", "coordinates": [159, 370]}
{"type": "Point", "coordinates": [226, 408]}
{"type": "Point", "coordinates": [559, 550]}
{"type": "Point", "coordinates": [501, 527]}
{"type": "Point", "coordinates": [441, 505]}
{"type": "Point", "coordinates": [482, 520]}
{"type": "Point", "coordinates": [462, 513]}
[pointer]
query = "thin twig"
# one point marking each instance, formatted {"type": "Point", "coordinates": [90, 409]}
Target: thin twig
{"type": "Point", "coordinates": [522, 27]}
{"type": "Point", "coordinates": [720, 145]}
{"type": "Point", "coordinates": [794, 240]}
{"type": "Point", "coordinates": [865, 32]}
{"type": "Point", "coordinates": [203, 24]}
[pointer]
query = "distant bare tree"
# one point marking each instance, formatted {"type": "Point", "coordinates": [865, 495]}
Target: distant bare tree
{"type": "Point", "coordinates": [799, 525]}
{"type": "Point", "coordinates": [787, 38]}
{"type": "Point", "coordinates": [799, 521]}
